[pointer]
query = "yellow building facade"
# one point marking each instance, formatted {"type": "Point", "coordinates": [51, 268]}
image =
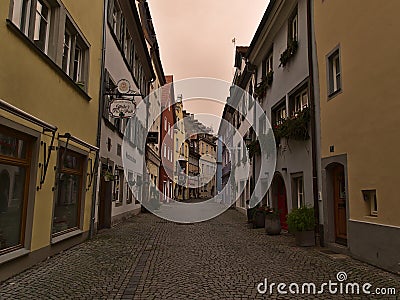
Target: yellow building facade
{"type": "Point", "coordinates": [181, 151]}
{"type": "Point", "coordinates": [357, 57]}
{"type": "Point", "coordinates": [49, 89]}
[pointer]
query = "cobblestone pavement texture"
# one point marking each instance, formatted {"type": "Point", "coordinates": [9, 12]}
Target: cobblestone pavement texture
{"type": "Point", "coordinates": [149, 258]}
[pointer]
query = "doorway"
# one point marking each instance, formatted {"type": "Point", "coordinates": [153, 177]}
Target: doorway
{"type": "Point", "coordinates": [339, 202]}
{"type": "Point", "coordinates": [279, 192]}
{"type": "Point", "coordinates": [105, 201]}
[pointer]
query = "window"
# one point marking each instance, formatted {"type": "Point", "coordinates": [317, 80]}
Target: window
{"type": "Point", "coordinates": [132, 56]}
{"type": "Point", "coordinates": [300, 102]}
{"type": "Point", "coordinates": [293, 27]}
{"type": "Point", "coordinates": [118, 186]}
{"type": "Point", "coordinates": [129, 186]}
{"type": "Point", "coordinates": [121, 31]}
{"type": "Point", "coordinates": [138, 189]}
{"type": "Point", "coordinates": [262, 121]}
{"type": "Point", "coordinates": [67, 206]}
{"type": "Point", "coordinates": [66, 52]}
{"type": "Point", "coordinates": [127, 45]}
{"type": "Point", "coordinates": [21, 14]}
{"type": "Point", "coordinates": [371, 201]}
{"type": "Point", "coordinates": [298, 191]}
{"type": "Point", "coordinates": [279, 114]}
{"type": "Point", "coordinates": [267, 64]}
{"type": "Point", "coordinates": [35, 25]}
{"type": "Point", "coordinates": [15, 160]}
{"type": "Point", "coordinates": [165, 150]}
{"type": "Point", "coordinates": [42, 25]}
{"type": "Point", "coordinates": [239, 151]}
{"type": "Point", "coordinates": [334, 75]}
{"type": "Point", "coordinates": [75, 51]}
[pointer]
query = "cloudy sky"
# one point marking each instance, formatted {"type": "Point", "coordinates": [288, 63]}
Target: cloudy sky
{"type": "Point", "coordinates": [195, 37]}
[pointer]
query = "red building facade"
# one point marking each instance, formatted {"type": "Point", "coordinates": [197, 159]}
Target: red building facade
{"type": "Point", "coordinates": [167, 140]}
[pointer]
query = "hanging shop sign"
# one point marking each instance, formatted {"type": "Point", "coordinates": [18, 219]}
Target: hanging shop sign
{"type": "Point", "coordinates": [123, 86]}
{"type": "Point", "coordinates": [122, 108]}
{"type": "Point", "coordinates": [122, 100]}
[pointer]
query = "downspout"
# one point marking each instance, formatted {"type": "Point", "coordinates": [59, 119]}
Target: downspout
{"type": "Point", "coordinates": [100, 115]}
{"type": "Point", "coordinates": [313, 121]}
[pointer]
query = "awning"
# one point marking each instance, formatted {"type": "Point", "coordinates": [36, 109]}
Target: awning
{"type": "Point", "coordinates": [72, 138]}
{"type": "Point", "coordinates": [24, 115]}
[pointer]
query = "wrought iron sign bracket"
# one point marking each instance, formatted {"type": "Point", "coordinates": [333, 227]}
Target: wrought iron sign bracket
{"type": "Point", "coordinates": [91, 148]}
{"type": "Point", "coordinates": [91, 174]}
{"type": "Point", "coordinates": [46, 156]}
{"type": "Point", "coordinates": [122, 103]}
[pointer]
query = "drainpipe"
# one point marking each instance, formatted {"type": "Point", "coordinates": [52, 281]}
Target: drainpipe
{"type": "Point", "coordinates": [100, 115]}
{"type": "Point", "coordinates": [313, 121]}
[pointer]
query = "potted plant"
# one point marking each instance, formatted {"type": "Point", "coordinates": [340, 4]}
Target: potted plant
{"type": "Point", "coordinates": [301, 222]}
{"type": "Point", "coordinates": [259, 217]}
{"type": "Point", "coordinates": [108, 176]}
{"type": "Point", "coordinates": [272, 222]}
{"type": "Point", "coordinates": [81, 84]}
{"type": "Point", "coordinates": [288, 53]}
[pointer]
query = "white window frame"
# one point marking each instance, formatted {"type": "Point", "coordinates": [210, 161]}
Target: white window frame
{"type": "Point", "coordinates": [299, 190]}
{"type": "Point", "coordinates": [300, 101]}
{"type": "Point", "coordinates": [372, 201]}
{"type": "Point", "coordinates": [294, 26]}
{"type": "Point", "coordinates": [36, 26]}
{"type": "Point", "coordinates": [280, 115]}
{"type": "Point", "coordinates": [269, 64]}
{"type": "Point", "coordinates": [334, 72]}
{"type": "Point", "coordinates": [69, 46]}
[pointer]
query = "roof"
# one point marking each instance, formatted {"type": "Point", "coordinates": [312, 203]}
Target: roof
{"type": "Point", "coordinates": [242, 49]}
{"type": "Point", "coordinates": [261, 27]}
{"type": "Point", "coordinates": [169, 79]}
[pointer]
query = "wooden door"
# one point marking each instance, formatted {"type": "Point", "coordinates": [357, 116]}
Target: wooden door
{"type": "Point", "coordinates": [339, 197]}
{"type": "Point", "coordinates": [282, 204]}
{"type": "Point", "coordinates": [105, 204]}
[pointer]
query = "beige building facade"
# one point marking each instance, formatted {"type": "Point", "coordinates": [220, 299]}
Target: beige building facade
{"type": "Point", "coordinates": [357, 56]}
{"type": "Point", "coordinates": [49, 89]}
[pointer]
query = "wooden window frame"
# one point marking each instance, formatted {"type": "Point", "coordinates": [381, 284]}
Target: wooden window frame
{"type": "Point", "coordinates": [78, 172]}
{"type": "Point", "coordinates": [26, 162]}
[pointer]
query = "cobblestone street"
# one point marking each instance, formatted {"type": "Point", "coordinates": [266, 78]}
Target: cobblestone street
{"type": "Point", "coordinates": [149, 258]}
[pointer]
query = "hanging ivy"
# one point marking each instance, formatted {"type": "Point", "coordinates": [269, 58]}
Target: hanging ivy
{"type": "Point", "coordinates": [263, 145]}
{"type": "Point", "coordinates": [262, 87]}
{"type": "Point", "coordinates": [295, 127]}
{"type": "Point", "coordinates": [288, 53]}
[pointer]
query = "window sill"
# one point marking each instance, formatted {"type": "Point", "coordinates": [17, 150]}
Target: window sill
{"type": "Point", "coordinates": [11, 26]}
{"type": "Point", "coordinates": [334, 94]}
{"type": "Point", "coordinates": [13, 255]}
{"type": "Point", "coordinates": [60, 238]}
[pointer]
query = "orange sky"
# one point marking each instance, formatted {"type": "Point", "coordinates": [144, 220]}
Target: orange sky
{"type": "Point", "coordinates": [195, 36]}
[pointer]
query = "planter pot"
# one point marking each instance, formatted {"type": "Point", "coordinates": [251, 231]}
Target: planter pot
{"type": "Point", "coordinates": [272, 225]}
{"type": "Point", "coordinates": [250, 212]}
{"type": "Point", "coordinates": [305, 238]}
{"type": "Point", "coordinates": [259, 219]}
